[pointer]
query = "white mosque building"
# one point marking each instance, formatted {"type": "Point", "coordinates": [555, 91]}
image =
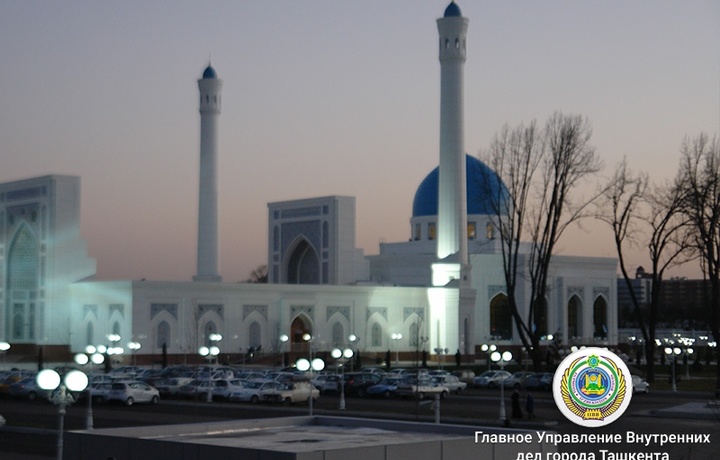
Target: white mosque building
{"type": "Point", "coordinates": [442, 289]}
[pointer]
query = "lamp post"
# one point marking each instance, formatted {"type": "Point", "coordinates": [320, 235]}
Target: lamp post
{"type": "Point", "coordinates": [339, 354]}
{"type": "Point", "coordinates": [283, 341]}
{"type": "Point", "coordinates": [673, 353]}
{"type": "Point", "coordinates": [488, 350]}
{"type": "Point", "coordinates": [50, 380]}
{"type": "Point", "coordinates": [501, 359]}
{"type": "Point", "coordinates": [396, 337]}
{"type": "Point", "coordinates": [209, 353]}
{"type": "Point", "coordinates": [134, 346]}
{"type": "Point", "coordinates": [4, 347]}
{"type": "Point", "coordinates": [91, 356]}
{"type": "Point", "coordinates": [440, 352]}
{"type": "Point", "coordinates": [310, 365]}
{"type": "Point", "coordinates": [354, 343]}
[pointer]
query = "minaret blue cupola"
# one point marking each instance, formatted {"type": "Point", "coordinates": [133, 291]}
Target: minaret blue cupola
{"type": "Point", "coordinates": [452, 11]}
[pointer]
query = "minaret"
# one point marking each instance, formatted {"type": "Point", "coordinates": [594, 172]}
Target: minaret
{"type": "Point", "coordinates": [207, 249]}
{"type": "Point", "coordinates": [452, 199]}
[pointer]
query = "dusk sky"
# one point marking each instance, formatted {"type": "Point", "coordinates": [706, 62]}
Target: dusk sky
{"type": "Point", "coordinates": [325, 97]}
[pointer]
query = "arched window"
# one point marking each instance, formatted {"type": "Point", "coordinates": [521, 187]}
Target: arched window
{"type": "Point", "coordinates": [413, 334]}
{"type": "Point", "coordinates": [116, 328]}
{"type": "Point", "coordinates": [23, 274]}
{"type": "Point", "coordinates": [89, 333]}
{"type": "Point", "coordinates": [255, 335]}
{"type": "Point", "coordinates": [500, 318]}
{"type": "Point", "coordinates": [376, 335]}
{"type": "Point", "coordinates": [338, 334]}
{"type": "Point", "coordinates": [162, 334]}
{"type": "Point", "coordinates": [210, 328]}
{"type": "Point", "coordinates": [600, 318]}
{"type": "Point", "coordinates": [574, 318]}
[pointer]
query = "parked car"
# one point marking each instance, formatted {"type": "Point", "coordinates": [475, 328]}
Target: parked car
{"type": "Point", "coordinates": [421, 388]}
{"type": "Point", "coordinates": [133, 392]}
{"type": "Point", "coordinates": [465, 376]}
{"type": "Point", "coordinates": [517, 380]}
{"type": "Point", "coordinates": [451, 382]}
{"type": "Point", "coordinates": [540, 381]}
{"type": "Point", "coordinates": [357, 383]}
{"type": "Point", "coordinates": [254, 390]}
{"type": "Point", "coordinates": [490, 379]}
{"type": "Point", "coordinates": [170, 387]}
{"type": "Point", "coordinates": [292, 392]}
{"type": "Point", "coordinates": [99, 392]}
{"type": "Point", "coordinates": [640, 385]}
{"type": "Point", "coordinates": [197, 389]}
{"type": "Point", "coordinates": [386, 388]}
{"type": "Point", "coordinates": [27, 388]}
{"type": "Point", "coordinates": [327, 383]}
{"type": "Point", "coordinates": [224, 388]}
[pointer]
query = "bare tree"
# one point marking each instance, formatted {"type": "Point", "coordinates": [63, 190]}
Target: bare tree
{"type": "Point", "coordinates": [646, 218]}
{"type": "Point", "coordinates": [540, 171]}
{"type": "Point", "coordinates": [699, 178]}
{"type": "Point", "coordinates": [258, 275]}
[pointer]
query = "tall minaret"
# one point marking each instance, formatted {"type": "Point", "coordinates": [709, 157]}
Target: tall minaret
{"type": "Point", "coordinates": [452, 199]}
{"type": "Point", "coordinates": [207, 249]}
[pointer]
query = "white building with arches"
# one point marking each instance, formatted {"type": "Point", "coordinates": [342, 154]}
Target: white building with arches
{"type": "Point", "coordinates": [413, 295]}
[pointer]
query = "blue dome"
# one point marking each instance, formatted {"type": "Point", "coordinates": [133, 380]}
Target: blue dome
{"type": "Point", "coordinates": [209, 72]}
{"type": "Point", "coordinates": [452, 11]}
{"type": "Point", "coordinates": [479, 192]}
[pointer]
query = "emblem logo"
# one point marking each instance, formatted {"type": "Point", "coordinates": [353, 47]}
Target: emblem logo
{"type": "Point", "coordinates": [591, 387]}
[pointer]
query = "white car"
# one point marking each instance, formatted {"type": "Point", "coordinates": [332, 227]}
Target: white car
{"type": "Point", "coordinates": [452, 383]}
{"type": "Point", "coordinates": [133, 392]}
{"type": "Point", "coordinates": [292, 392]}
{"type": "Point", "coordinates": [490, 379]}
{"type": "Point", "coordinates": [327, 383]}
{"type": "Point", "coordinates": [254, 391]}
{"type": "Point", "coordinates": [640, 385]}
{"type": "Point", "coordinates": [225, 387]}
{"type": "Point", "coordinates": [421, 389]}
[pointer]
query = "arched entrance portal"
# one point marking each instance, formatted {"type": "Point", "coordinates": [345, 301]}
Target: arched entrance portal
{"type": "Point", "coordinates": [299, 327]}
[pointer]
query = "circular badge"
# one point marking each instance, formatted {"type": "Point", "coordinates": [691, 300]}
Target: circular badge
{"type": "Point", "coordinates": [592, 387]}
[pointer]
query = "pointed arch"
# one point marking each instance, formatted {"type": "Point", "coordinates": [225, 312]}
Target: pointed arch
{"type": "Point", "coordinates": [574, 317]}
{"type": "Point", "coordinates": [376, 327]}
{"type": "Point", "coordinates": [500, 317]}
{"type": "Point", "coordinates": [600, 321]}
{"type": "Point", "coordinates": [23, 281]}
{"type": "Point", "coordinates": [255, 335]}
{"type": "Point", "coordinates": [302, 264]}
{"type": "Point", "coordinates": [163, 334]}
{"type": "Point", "coordinates": [300, 326]}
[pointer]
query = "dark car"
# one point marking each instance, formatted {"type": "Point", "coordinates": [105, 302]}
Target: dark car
{"type": "Point", "coordinates": [357, 383]}
{"type": "Point", "coordinates": [541, 381]}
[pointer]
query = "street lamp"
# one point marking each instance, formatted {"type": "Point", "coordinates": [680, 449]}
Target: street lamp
{"type": "Point", "coordinates": [283, 340]}
{"type": "Point", "coordinates": [440, 352]}
{"type": "Point", "coordinates": [339, 354]}
{"type": "Point", "coordinates": [133, 346]}
{"type": "Point", "coordinates": [354, 342]}
{"type": "Point", "coordinates": [673, 353]}
{"type": "Point", "coordinates": [50, 380]}
{"type": "Point", "coordinates": [310, 365]}
{"type": "Point", "coordinates": [4, 347]}
{"type": "Point", "coordinates": [501, 359]}
{"type": "Point", "coordinates": [91, 356]}
{"type": "Point", "coordinates": [396, 336]}
{"type": "Point", "coordinates": [488, 350]}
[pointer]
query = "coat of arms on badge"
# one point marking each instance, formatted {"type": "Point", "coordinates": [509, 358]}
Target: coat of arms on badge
{"type": "Point", "coordinates": [591, 387]}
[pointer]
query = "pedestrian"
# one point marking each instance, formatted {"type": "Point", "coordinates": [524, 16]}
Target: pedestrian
{"type": "Point", "coordinates": [516, 410]}
{"type": "Point", "coordinates": [530, 406]}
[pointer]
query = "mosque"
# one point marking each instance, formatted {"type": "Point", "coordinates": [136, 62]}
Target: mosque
{"type": "Point", "coordinates": [442, 290]}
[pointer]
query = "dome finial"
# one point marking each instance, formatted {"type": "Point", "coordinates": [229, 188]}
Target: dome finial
{"type": "Point", "coordinates": [452, 10]}
{"type": "Point", "coordinates": [209, 70]}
